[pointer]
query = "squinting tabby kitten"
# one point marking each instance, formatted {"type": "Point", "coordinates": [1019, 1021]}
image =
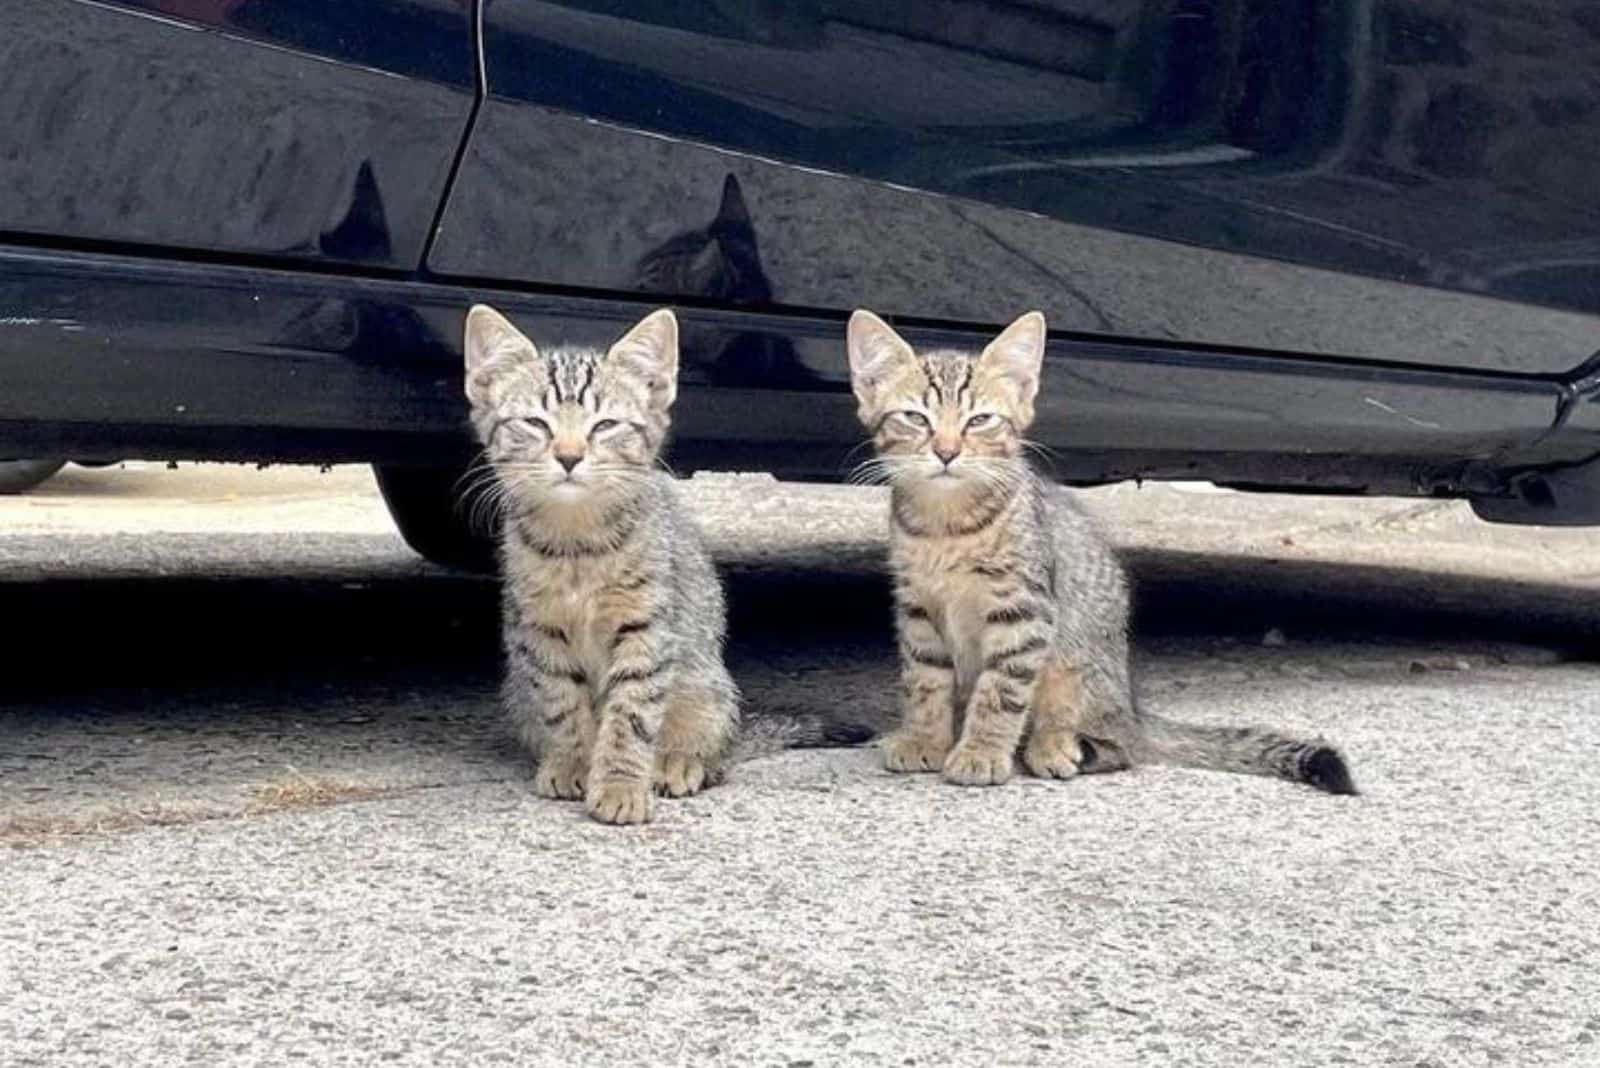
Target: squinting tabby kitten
{"type": "Point", "coordinates": [613, 615]}
{"type": "Point", "coordinates": [1012, 610]}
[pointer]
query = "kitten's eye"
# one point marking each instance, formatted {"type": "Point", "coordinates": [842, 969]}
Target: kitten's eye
{"type": "Point", "coordinates": [979, 421]}
{"type": "Point", "coordinates": [602, 426]}
{"type": "Point", "coordinates": [916, 419]}
{"type": "Point", "coordinates": [521, 428]}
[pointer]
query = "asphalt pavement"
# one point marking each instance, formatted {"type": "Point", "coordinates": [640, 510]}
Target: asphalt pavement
{"type": "Point", "coordinates": [256, 806]}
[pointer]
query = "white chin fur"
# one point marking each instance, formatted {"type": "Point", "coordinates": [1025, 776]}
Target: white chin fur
{"type": "Point", "coordinates": [569, 491]}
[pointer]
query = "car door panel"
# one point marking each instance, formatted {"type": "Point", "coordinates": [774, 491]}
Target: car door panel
{"type": "Point", "coordinates": [290, 128]}
{"type": "Point", "coordinates": [1234, 174]}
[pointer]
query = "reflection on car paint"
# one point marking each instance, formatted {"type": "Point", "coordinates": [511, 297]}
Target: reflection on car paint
{"type": "Point", "coordinates": [266, 129]}
{"type": "Point", "coordinates": [1110, 161]}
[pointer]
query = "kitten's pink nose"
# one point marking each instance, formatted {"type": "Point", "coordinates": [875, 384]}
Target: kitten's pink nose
{"type": "Point", "coordinates": [946, 453]}
{"type": "Point", "coordinates": [569, 460]}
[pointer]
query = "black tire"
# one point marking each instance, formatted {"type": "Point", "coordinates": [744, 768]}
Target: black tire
{"type": "Point", "coordinates": [425, 503]}
{"type": "Point", "coordinates": [18, 476]}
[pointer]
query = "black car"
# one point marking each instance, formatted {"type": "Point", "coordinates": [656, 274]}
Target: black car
{"type": "Point", "coordinates": [1345, 245]}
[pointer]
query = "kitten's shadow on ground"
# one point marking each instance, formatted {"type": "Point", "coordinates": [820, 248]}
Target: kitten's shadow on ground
{"type": "Point", "coordinates": [110, 686]}
{"type": "Point", "coordinates": [82, 635]}
{"type": "Point", "coordinates": [1182, 594]}
{"type": "Point", "coordinates": [207, 686]}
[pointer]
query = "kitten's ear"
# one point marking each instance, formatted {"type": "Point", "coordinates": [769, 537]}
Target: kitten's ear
{"type": "Point", "coordinates": [1016, 355]}
{"type": "Point", "coordinates": [492, 347]}
{"type": "Point", "coordinates": [876, 352]}
{"type": "Point", "coordinates": [733, 207]}
{"type": "Point", "coordinates": [650, 350]}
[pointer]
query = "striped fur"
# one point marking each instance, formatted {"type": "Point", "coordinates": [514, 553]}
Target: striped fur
{"type": "Point", "coordinates": [613, 614]}
{"type": "Point", "coordinates": [1012, 610]}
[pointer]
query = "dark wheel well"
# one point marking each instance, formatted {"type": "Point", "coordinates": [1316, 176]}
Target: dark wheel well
{"type": "Point", "coordinates": [426, 504]}
{"type": "Point", "coordinates": [16, 476]}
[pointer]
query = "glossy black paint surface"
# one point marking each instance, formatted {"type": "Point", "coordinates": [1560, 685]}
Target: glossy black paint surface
{"type": "Point", "coordinates": [1332, 243]}
{"type": "Point", "coordinates": [1181, 169]}
{"type": "Point", "coordinates": [285, 128]}
{"type": "Point", "coordinates": [248, 363]}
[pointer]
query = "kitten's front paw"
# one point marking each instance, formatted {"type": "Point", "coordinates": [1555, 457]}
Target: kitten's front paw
{"type": "Point", "coordinates": [561, 777]}
{"type": "Point", "coordinates": [913, 752]}
{"type": "Point", "coordinates": [1053, 756]}
{"type": "Point", "coordinates": [680, 774]}
{"type": "Point", "coordinates": [970, 766]}
{"type": "Point", "coordinates": [621, 802]}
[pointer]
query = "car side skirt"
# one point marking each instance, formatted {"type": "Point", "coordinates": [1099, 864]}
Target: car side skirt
{"type": "Point", "coordinates": [106, 356]}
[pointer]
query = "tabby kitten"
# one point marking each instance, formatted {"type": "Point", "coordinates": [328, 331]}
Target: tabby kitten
{"type": "Point", "coordinates": [1012, 610]}
{"type": "Point", "coordinates": [613, 616]}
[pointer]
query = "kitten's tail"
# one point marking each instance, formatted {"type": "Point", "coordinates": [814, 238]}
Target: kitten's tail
{"type": "Point", "coordinates": [1243, 750]}
{"type": "Point", "coordinates": [766, 735]}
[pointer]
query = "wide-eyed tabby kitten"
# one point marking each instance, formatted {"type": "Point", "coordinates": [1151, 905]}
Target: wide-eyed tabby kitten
{"type": "Point", "coordinates": [613, 614]}
{"type": "Point", "coordinates": [1012, 609]}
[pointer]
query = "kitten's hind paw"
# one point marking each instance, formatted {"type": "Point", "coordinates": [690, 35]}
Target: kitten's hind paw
{"type": "Point", "coordinates": [913, 752]}
{"type": "Point", "coordinates": [560, 778]}
{"type": "Point", "coordinates": [1053, 756]}
{"type": "Point", "coordinates": [621, 802]}
{"type": "Point", "coordinates": [970, 766]}
{"type": "Point", "coordinates": [680, 774]}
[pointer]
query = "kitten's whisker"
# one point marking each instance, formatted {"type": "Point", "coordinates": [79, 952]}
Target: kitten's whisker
{"type": "Point", "coordinates": [855, 450]}
{"type": "Point", "coordinates": [877, 470]}
{"type": "Point", "coordinates": [480, 496]}
{"type": "Point", "coordinates": [1039, 449]}
{"type": "Point", "coordinates": [1050, 457]}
